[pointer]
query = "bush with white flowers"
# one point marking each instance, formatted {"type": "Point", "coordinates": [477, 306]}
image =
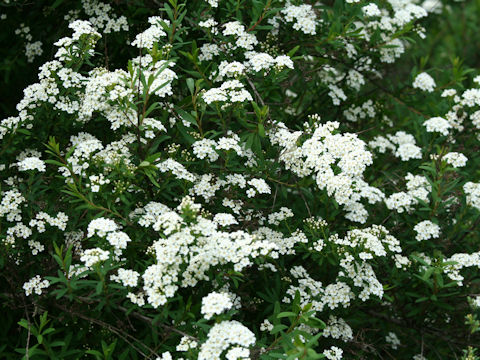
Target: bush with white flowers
{"type": "Point", "coordinates": [251, 179]}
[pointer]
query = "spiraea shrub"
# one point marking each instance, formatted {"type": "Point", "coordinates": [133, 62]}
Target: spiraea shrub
{"type": "Point", "coordinates": [238, 179]}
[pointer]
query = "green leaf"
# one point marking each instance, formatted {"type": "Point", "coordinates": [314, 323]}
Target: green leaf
{"type": "Point", "coordinates": [99, 288]}
{"type": "Point", "coordinates": [23, 323]}
{"type": "Point", "coordinates": [278, 328]}
{"type": "Point", "coordinates": [286, 314]}
{"type": "Point", "coordinates": [56, 4]}
{"type": "Point", "coordinates": [150, 175]}
{"type": "Point", "coordinates": [191, 85]}
{"type": "Point", "coordinates": [428, 273]}
{"type": "Point", "coordinates": [186, 116]}
{"type": "Point", "coordinates": [293, 51]}
{"type": "Point", "coordinates": [261, 130]}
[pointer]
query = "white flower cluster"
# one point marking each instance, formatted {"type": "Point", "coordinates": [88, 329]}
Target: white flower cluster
{"type": "Point", "coordinates": [406, 12]}
{"type": "Point", "coordinates": [266, 325]}
{"type": "Point", "coordinates": [31, 163]}
{"type": "Point", "coordinates": [20, 231]}
{"type": "Point", "coordinates": [165, 356]}
{"type": "Point", "coordinates": [176, 169]}
{"type": "Point", "coordinates": [102, 18]}
{"type": "Point", "coordinates": [205, 148]}
{"type": "Point", "coordinates": [402, 145]}
{"type": "Point", "coordinates": [223, 219]}
{"type": "Point", "coordinates": [231, 91]}
{"type": "Point", "coordinates": [364, 111]}
{"type": "Point", "coordinates": [427, 230]}
{"type": "Point", "coordinates": [214, 304]}
{"type": "Point", "coordinates": [105, 92]}
{"type": "Point", "coordinates": [188, 251]}
{"type": "Point", "coordinates": [371, 10]}
{"type": "Point", "coordinates": [418, 187]}
{"type": "Point", "coordinates": [407, 148]}
{"type": "Point", "coordinates": [367, 243]}
{"type": "Point", "coordinates": [186, 344]}
{"type": "Point", "coordinates": [10, 205]}
{"type": "Point", "coordinates": [161, 74]}
{"type": "Point", "coordinates": [475, 302]}
{"type": "Point", "coordinates": [32, 49]}
{"type": "Point", "coordinates": [80, 28]}
{"type": "Point", "coordinates": [310, 289]}
{"type": "Point", "coordinates": [243, 38]}
{"type": "Point", "coordinates": [213, 3]}
{"type": "Point", "coordinates": [230, 69]}
{"type": "Point", "coordinates": [152, 35]}
{"type": "Point", "coordinates": [424, 82]}
{"type": "Point", "coordinates": [455, 159]}
{"type": "Point", "coordinates": [208, 51]}
{"type": "Point", "coordinates": [279, 216]}
{"type": "Point", "coordinates": [126, 277]}
{"type": "Point", "coordinates": [227, 335]}
{"type": "Point", "coordinates": [49, 88]}
{"type": "Point", "coordinates": [42, 218]}
{"type": "Point", "coordinates": [94, 256]}
{"type": "Point", "coordinates": [334, 353]}
{"type": "Point", "coordinates": [393, 340]}
{"type": "Point", "coordinates": [337, 94]}
{"type": "Point", "coordinates": [36, 247]}
{"type": "Point", "coordinates": [35, 285]}
{"type": "Point", "coordinates": [284, 245]}
{"type": "Point", "coordinates": [317, 156]}
{"type": "Point", "coordinates": [437, 124]}
{"type": "Point", "coordinates": [107, 228]}
{"type": "Point", "coordinates": [263, 61]}
{"type": "Point", "coordinates": [419, 356]}
{"type": "Point", "coordinates": [138, 299]}
{"type": "Point", "coordinates": [388, 22]}
{"type": "Point", "coordinates": [96, 181]}
{"type": "Point", "coordinates": [98, 99]}
{"type": "Point", "coordinates": [472, 192]}
{"type": "Point", "coordinates": [209, 24]}
{"type": "Point", "coordinates": [151, 125]}
{"type": "Point", "coordinates": [460, 261]}
{"type": "Point", "coordinates": [101, 226]}
{"type": "Point", "coordinates": [258, 186]}
{"type": "Point", "coordinates": [374, 240]}
{"type": "Point", "coordinates": [303, 16]}
{"type": "Point", "coordinates": [74, 239]}
{"type": "Point", "coordinates": [337, 328]}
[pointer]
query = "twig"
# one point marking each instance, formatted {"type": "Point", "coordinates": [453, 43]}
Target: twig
{"type": "Point", "coordinates": [27, 347]}
{"type": "Point", "coordinates": [151, 322]}
{"type": "Point", "coordinates": [141, 317]}
{"type": "Point", "coordinates": [105, 50]}
{"type": "Point", "coordinates": [113, 329]}
{"type": "Point", "coordinates": [252, 85]}
{"type": "Point", "coordinates": [303, 198]}
{"type": "Point", "coordinates": [275, 197]}
{"type": "Point", "coordinates": [261, 17]}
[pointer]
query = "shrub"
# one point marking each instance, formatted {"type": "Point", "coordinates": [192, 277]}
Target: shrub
{"type": "Point", "coordinates": [247, 179]}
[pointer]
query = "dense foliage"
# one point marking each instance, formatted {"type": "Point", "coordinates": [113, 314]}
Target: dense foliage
{"type": "Point", "coordinates": [239, 179]}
